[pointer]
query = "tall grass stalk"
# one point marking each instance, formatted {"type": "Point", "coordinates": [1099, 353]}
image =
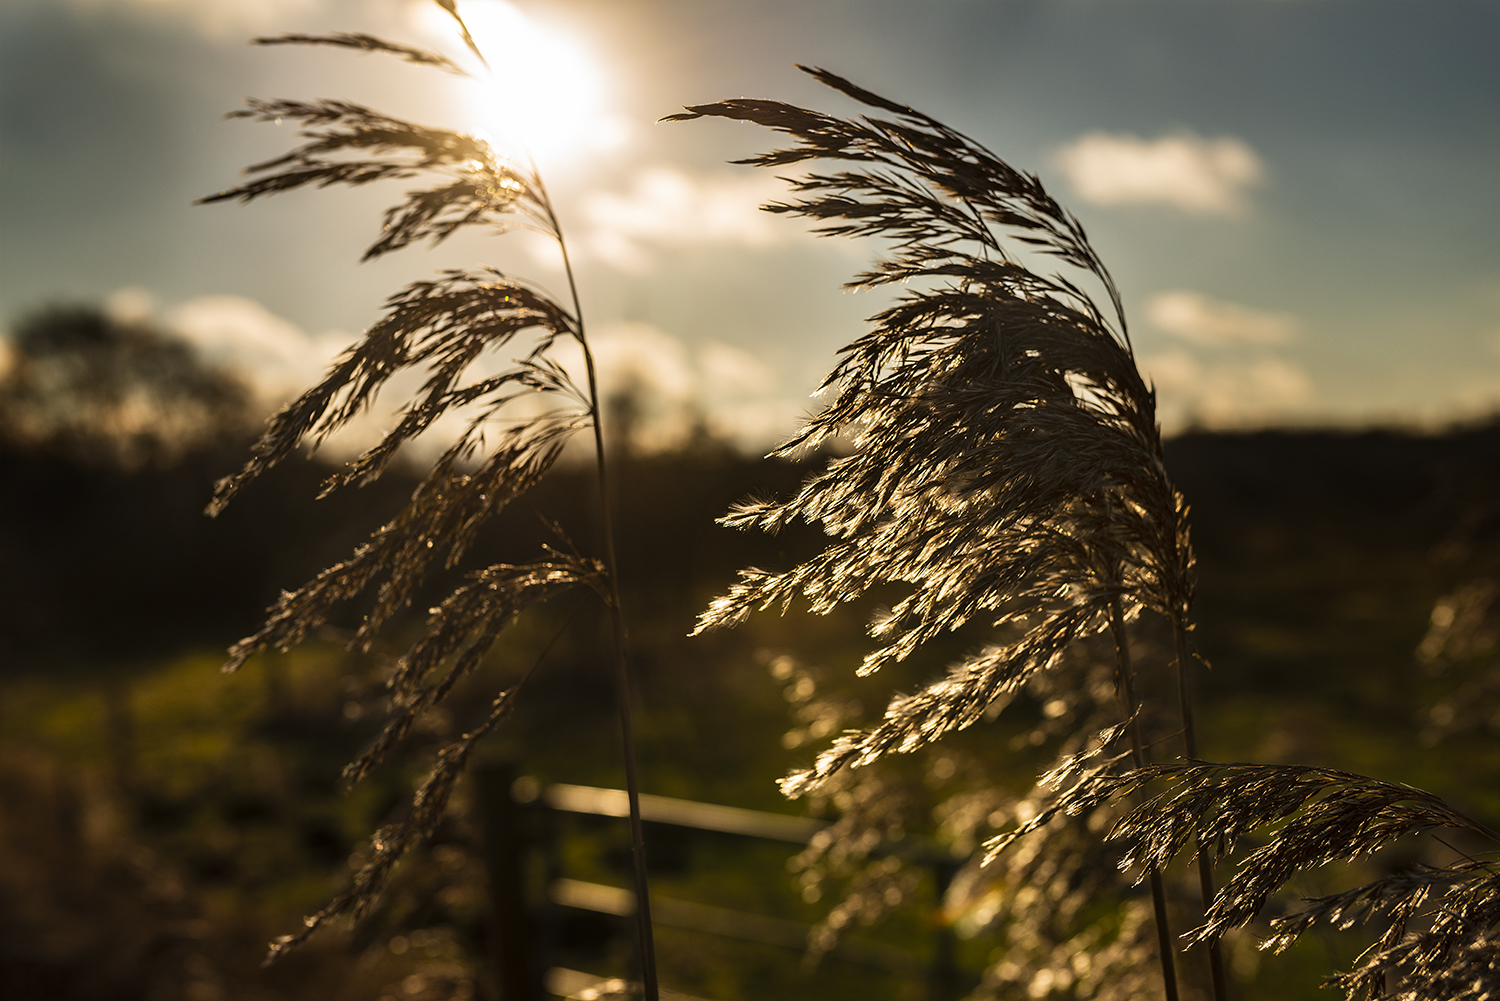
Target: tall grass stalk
{"type": "Point", "coordinates": [1125, 686]}
{"type": "Point", "coordinates": [1190, 747]}
{"type": "Point", "coordinates": [443, 326]}
{"type": "Point", "coordinates": [1007, 467]}
{"type": "Point", "coordinates": [617, 627]}
{"type": "Point", "coordinates": [1007, 464]}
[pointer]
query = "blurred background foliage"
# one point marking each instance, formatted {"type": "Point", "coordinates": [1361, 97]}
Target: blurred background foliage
{"type": "Point", "coordinates": [164, 821]}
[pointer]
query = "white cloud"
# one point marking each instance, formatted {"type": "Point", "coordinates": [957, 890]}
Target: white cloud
{"type": "Point", "coordinates": [728, 371]}
{"type": "Point", "coordinates": [130, 305]}
{"type": "Point", "coordinates": [665, 207]}
{"type": "Point", "coordinates": [677, 387]}
{"type": "Point", "coordinates": [756, 425]}
{"type": "Point", "coordinates": [1207, 322]}
{"type": "Point", "coordinates": [640, 358]}
{"type": "Point", "coordinates": [274, 355]}
{"type": "Point", "coordinates": [1201, 176]}
{"type": "Point", "coordinates": [1226, 394]}
{"type": "Point", "coordinates": [279, 361]}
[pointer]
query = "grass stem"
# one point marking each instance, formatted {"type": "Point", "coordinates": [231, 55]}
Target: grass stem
{"type": "Point", "coordinates": [1124, 685]}
{"type": "Point", "coordinates": [644, 933]}
{"type": "Point", "coordinates": [1190, 745]}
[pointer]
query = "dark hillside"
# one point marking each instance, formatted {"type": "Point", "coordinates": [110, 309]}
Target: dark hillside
{"type": "Point", "coordinates": [107, 565]}
{"type": "Point", "coordinates": [1320, 556]}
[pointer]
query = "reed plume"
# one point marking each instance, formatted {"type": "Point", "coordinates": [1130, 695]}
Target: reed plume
{"type": "Point", "coordinates": [1007, 468]}
{"type": "Point", "coordinates": [440, 328]}
{"type": "Point", "coordinates": [1007, 465]}
{"type": "Point", "coordinates": [1058, 916]}
{"type": "Point", "coordinates": [1438, 938]}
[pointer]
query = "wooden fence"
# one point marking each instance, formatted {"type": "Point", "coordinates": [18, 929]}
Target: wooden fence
{"type": "Point", "coordinates": [520, 832]}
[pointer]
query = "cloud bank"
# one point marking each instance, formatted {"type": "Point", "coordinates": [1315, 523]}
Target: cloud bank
{"type": "Point", "coordinates": [1225, 393]}
{"type": "Point", "coordinates": [275, 356]}
{"type": "Point", "coordinates": [1186, 172]}
{"type": "Point", "coordinates": [1228, 375]}
{"type": "Point", "coordinates": [1206, 322]}
{"type": "Point", "coordinates": [677, 389]}
{"type": "Point", "coordinates": [664, 208]}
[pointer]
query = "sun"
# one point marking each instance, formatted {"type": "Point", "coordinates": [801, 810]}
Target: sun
{"type": "Point", "coordinates": [543, 93]}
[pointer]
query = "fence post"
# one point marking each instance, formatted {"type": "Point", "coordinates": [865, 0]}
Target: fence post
{"type": "Point", "coordinates": [514, 953]}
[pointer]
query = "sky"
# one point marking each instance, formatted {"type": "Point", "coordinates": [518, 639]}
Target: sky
{"type": "Point", "coordinates": [1298, 198]}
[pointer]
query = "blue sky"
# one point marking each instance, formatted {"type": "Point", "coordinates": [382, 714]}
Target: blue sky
{"type": "Point", "coordinates": [1298, 197]}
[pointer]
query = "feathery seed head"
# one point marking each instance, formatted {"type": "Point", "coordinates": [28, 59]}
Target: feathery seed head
{"type": "Point", "coordinates": [1007, 465]}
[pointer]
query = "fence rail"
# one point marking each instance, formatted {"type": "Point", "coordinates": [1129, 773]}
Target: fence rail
{"type": "Point", "coordinates": [666, 810]}
{"type": "Point", "coordinates": [521, 946]}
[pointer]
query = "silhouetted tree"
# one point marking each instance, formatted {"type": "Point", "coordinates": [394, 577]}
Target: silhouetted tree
{"type": "Point", "coordinates": [104, 392]}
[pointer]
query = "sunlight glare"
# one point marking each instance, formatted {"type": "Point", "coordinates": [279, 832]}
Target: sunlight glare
{"type": "Point", "coordinates": [544, 94]}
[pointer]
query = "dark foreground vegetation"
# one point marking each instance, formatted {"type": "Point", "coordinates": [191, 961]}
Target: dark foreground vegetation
{"type": "Point", "coordinates": [164, 821]}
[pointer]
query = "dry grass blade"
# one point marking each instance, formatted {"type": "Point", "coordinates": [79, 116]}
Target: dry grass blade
{"type": "Point", "coordinates": [443, 326]}
{"type": "Point", "coordinates": [1055, 932]}
{"type": "Point", "coordinates": [360, 42]}
{"type": "Point", "coordinates": [1329, 816]}
{"type": "Point", "coordinates": [479, 190]}
{"type": "Point", "coordinates": [1453, 954]}
{"type": "Point", "coordinates": [445, 511]}
{"type": "Point", "coordinates": [1088, 780]}
{"type": "Point", "coordinates": [1053, 910]}
{"type": "Point", "coordinates": [452, 8]}
{"type": "Point", "coordinates": [922, 173]}
{"type": "Point", "coordinates": [1430, 969]}
{"type": "Point", "coordinates": [461, 631]}
{"type": "Point", "coordinates": [468, 623]}
{"type": "Point", "coordinates": [952, 703]}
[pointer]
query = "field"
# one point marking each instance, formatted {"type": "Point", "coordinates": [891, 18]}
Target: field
{"type": "Point", "coordinates": [166, 820]}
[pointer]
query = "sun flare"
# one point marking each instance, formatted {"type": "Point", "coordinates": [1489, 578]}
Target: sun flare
{"type": "Point", "coordinates": [543, 94]}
